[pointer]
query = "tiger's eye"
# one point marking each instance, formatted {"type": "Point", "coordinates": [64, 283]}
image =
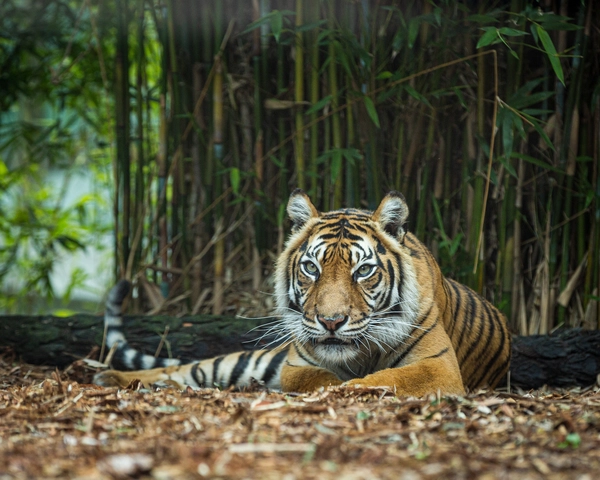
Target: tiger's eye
{"type": "Point", "coordinates": [310, 268]}
{"type": "Point", "coordinates": [365, 270]}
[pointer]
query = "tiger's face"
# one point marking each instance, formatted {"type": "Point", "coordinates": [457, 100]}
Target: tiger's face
{"type": "Point", "coordinates": [345, 285]}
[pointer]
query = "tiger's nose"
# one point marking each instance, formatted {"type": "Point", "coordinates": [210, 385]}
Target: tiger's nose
{"type": "Point", "coordinates": [332, 323]}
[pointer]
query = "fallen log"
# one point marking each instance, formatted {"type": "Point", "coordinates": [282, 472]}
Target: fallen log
{"type": "Point", "coordinates": [50, 340]}
{"type": "Point", "coordinates": [566, 358]}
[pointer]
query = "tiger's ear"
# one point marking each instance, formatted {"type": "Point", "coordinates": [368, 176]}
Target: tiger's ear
{"type": "Point", "coordinates": [300, 209]}
{"type": "Point", "coordinates": [392, 214]}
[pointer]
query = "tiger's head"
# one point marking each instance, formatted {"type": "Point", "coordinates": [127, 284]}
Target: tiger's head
{"type": "Point", "coordinates": [345, 285]}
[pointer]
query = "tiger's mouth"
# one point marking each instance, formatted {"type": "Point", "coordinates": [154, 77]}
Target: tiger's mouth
{"type": "Point", "coordinates": [333, 341]}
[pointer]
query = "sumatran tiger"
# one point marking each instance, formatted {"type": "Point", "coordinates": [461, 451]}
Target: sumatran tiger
{"type": "Point", "coordinates": [361, 301]}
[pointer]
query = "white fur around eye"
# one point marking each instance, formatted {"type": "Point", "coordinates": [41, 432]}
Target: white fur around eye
{"type": "Point", "coordinates": [368, 272]}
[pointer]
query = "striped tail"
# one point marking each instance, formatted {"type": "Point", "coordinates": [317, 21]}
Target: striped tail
{"type": "Point", "coordinates": [125, 356]}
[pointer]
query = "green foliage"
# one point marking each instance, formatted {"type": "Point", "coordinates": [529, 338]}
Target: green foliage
{"type": "Point", "coordinates": [53, 118]}
{"type": "Point", "coordinates": [572, 440]}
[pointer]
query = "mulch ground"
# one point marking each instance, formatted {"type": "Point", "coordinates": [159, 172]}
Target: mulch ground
{"type": "Point", "coordinates": [57, 425]}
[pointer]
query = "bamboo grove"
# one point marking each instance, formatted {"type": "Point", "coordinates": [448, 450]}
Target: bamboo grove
{"type": "Point", "coordinates": [485, 115]}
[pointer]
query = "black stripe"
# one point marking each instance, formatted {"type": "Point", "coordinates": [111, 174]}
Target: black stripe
{"type": "Point", "coordinates": [259, 358]}
{"type": "Point", "coordinates": [482, 333]}
{"type": "Point", "coordinates": [137, 360]}
{"type": "Point", "coordinates": [500, 371]}
{"type": "Point", "coordinates": [413, 345]}
{"type": "Point", "coordinates": [239, 368]}
{"type": "Point", "coordinates": [336, 236]}
{"type": "Point", "coordinates": [492, 378]}
{"type": "Point", "coordinates": [273, 366]}
{"type": "Point", "coordinates": [307, 360]}
{"type": "Point", "coordinates": [375, 360]}
{"type": "Point", "coordinates": [114, 328]}
{"type": "Point", "coordinates": [195, 369]}
{"type": "Point", "coordinates": [392, 275]}
{"type": "Point", "coordinates": [402, 277]}
{"type": "Point", "coordinates": [112, 310]}
{"type": "Point", "coordinates": [470, 312]}
{"type": "Point", "coordinates": [216, 363]}
{"type": "Point", "coordinates": [439, 354]}
{"type": "Point", "coordinates": [492, 319]}
{"type": "Point", "coordinates": [456, 302]}
{"type": "Point", "coordinates": [292, 305]}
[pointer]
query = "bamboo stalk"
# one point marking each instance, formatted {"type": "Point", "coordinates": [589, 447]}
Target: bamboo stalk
{"type": "Point", "coordinates": [314, 98]}
{"type": "Point", "coordinates": [122, 103]}
{"type": "Point", "coordinates": [259, 238]}
{"type": "Point", "coordinates": [196, 201]}
{"type": "Point", "coordinates": [299, 96]}
{"type": "Point", "coordinates": [219, 259]}
{"type": "Point", "coordinates": [337, 161]}
{"type": "Point", "coordinates": [423, 185]}
{"type": "Point", "coordinates": [138, 213]}
{"type": "Point", "coordinates": [352, 176]}
{"type": "Point", "coordinates": [517, 281]}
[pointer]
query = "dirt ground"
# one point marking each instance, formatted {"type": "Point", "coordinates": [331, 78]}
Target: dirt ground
{"type": "Point", "coordinates": [57, 425]}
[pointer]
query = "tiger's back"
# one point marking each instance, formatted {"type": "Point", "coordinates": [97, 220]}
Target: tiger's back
{"type": "Point", "coordinates": [477, 330]}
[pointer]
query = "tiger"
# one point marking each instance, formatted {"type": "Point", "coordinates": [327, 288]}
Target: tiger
{"type": "Point", "coordinates": [360, 301]}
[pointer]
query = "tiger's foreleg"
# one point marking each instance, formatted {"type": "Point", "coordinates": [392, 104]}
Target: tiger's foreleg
{"type": "Point", "coordinates": [306, 378]}
{"type": "Point", "coordinates": [417, 379]}
{"type": "Point", "coordinates": [116, 378]}
{"type": "Point", "coordinates": [236, 369]}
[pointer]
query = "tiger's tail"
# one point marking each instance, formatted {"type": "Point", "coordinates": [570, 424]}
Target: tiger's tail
{"type": "Point", "coordinates": [125, 356]}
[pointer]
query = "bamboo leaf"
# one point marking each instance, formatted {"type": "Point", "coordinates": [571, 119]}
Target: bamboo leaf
{"type": "Point", "coordinates": [477, 18]}
{"type": "Point", "coordinates": [319, 105]}
{"type": "Point", "coordinates": [551, 52]}
{"type": "Point", "coordinates": [336, 164]}
{"type": "Point", "coordinates": [551, 21]}
{"type": "Point", "coordinates": [281, 214]}
{"type": "Point", "coordinates": [234, 178]}
{"type": "Point", "coordinates": [276, 24]}
{"type": "Point", "coordinates": [505, 120]}
{"type": "Point", "coordinates": [413, 31]}
{"type": "Point", "coordinates": [536, 161]}
{"type": "Point", "coordinates": [276, 104]}
{"type": "Point", "coordinates": [539, 129]}
{"type": "Point", "coordinates": [511, 32]}
{"type": "Point", "coordinates": [527, 100]}
{"type": "Point", "coordinates": [437, 14]}
{"type": "Point", "coordinates": [459, 95]}
{"type": "Point", "coordinates": [398, 40]}
{"type": "Point", "coordinates": [416, 95]}
{"type": "Point", "coordinates": [490, 37]}
{"type": "Point", "coordinates": [268, 19]}
{"type": "Point", "coordinates": [372, 111]}
{"type": "Point", "coordinates": [310, 26]}
{"type": "Point", "coordinates": [507, 166]}
{"type": "Point", "coordinates": [384, 75]}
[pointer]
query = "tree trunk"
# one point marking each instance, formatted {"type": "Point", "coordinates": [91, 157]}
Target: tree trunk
{"type": "Point", "coordinates": [59, 341]}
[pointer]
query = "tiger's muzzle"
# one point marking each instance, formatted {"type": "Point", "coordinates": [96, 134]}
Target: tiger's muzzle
{"type": "Point", "coordinates": [332, 323]}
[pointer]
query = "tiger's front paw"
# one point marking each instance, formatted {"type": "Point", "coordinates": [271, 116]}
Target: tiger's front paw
{"type": "Point", "coordinates": [111, 378]}
{"type": "Point", "coordinates": [367, 382]}
{"type": "Point", "coordinates": [357, 382]}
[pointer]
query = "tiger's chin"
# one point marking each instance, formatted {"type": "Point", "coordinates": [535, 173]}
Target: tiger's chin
{"type": "Point", "coordinates": [335, 350]}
